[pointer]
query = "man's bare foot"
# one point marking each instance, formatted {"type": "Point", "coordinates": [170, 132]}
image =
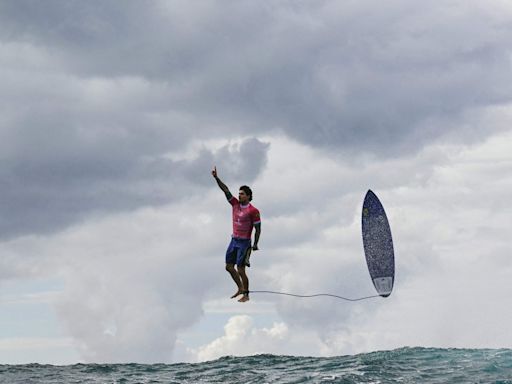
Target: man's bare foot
{"type": "Point", "coordinates": [244, 299]}
{"type": "Point", "coordinates": [238, 293]}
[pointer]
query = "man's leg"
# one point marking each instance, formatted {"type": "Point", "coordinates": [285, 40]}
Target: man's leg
{"type": "Point", "coordinates": [236, 278]}
{"type": "Point", "coordinates": [245, 283]}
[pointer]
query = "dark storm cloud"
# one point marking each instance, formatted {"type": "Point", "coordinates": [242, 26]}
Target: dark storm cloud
{"type": "Point", "coordinates": [95, 94]}
{"type": "Point", "coordinates": [45, 194]}
{"type": "Point", "coordinates": [328, 73]}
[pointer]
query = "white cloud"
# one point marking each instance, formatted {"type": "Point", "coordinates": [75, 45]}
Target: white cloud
{"type": "Point", "coordinates": [450, 219]}
{"type": "Point", "coordinates": [242, 338]}
{"type": "Point", "coordinates": [131, 280]}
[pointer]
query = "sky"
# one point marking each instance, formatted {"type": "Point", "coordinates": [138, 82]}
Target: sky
{"type": "Point", "coordinates": [113, 231]}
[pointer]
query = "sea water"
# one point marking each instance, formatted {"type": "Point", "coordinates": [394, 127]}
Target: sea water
{"type": "Point", "coordinates": [405, 365]}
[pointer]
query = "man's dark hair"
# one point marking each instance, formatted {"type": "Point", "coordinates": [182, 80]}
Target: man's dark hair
{"type": "Point", "coordinates": [247, 191]}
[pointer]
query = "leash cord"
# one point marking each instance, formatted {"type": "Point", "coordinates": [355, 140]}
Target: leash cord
{"type": "Point", "coordinates": [316, 295]}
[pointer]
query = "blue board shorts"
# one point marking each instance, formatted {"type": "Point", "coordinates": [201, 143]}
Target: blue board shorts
{"type": "Point", "coordinates": [239, 252]}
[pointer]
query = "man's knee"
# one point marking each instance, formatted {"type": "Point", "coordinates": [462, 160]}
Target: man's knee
{"type": "Point", "coordinates": [230, 268]}
{"type": "Point", "coordinates": [241, 270]}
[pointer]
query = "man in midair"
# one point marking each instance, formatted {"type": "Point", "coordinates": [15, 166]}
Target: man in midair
{"type": "Point", "coordinates": [245, 217]}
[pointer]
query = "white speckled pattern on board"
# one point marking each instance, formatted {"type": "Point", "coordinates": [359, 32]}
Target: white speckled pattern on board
{"type": "Point", "coordinates": [378, 244]}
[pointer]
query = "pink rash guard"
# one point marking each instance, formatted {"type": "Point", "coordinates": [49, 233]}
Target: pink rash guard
{"type": "Point", "coordinates": [244, 218]}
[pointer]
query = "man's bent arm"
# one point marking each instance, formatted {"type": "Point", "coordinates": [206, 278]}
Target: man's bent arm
{"type": "Point", "coordinates": [257, 227]}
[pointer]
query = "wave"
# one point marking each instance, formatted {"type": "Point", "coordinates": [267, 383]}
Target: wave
{"type": "Point", "coordinates": [406, 365]}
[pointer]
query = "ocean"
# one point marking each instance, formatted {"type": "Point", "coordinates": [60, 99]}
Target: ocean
{"type": "Point", "coordinates": [404, 365]}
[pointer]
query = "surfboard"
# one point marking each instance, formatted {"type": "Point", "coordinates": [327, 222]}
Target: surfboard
{"type": "Point", "coordinates": [378, 244]}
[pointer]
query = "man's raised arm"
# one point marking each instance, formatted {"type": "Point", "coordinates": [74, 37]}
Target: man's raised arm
{"type": "Point", "coordinates": [221, 184]}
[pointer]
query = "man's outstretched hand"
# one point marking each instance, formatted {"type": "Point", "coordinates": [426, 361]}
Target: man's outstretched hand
{"type": "Point", "coordinates": [214, 172]}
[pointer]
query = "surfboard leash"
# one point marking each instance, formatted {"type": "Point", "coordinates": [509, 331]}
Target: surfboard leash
{"type": "Point", "coordinates": [316, 295]}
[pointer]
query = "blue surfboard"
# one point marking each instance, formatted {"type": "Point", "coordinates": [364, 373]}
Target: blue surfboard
{"type": "Point", "coordinates": [378, 245]}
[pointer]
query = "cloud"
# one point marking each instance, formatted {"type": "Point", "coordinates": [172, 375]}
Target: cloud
{"type": "Point", "coordinates": [334, 74]}
{"type": "Point", "coordinates": [449, 225]}
{"type": "Point", "coordinates": [46, 193]}
{"type": "Point", "coordinates": [111, 118]}
{"type": "Point", "coordinates": [95, 96]}
{"type": "Point", "coordinates": [242, 338]}
{"type": "Point", "coordinates": [132, 280]}
{"type": "Point", "coordinates": [448, 213]}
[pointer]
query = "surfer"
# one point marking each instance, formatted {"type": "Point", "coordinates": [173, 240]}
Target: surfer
{"type": "Point", "coordinates": [245, 217]}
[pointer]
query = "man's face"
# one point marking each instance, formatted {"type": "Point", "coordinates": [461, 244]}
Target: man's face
{"type": "Point", "coordinates": [242, 197]}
